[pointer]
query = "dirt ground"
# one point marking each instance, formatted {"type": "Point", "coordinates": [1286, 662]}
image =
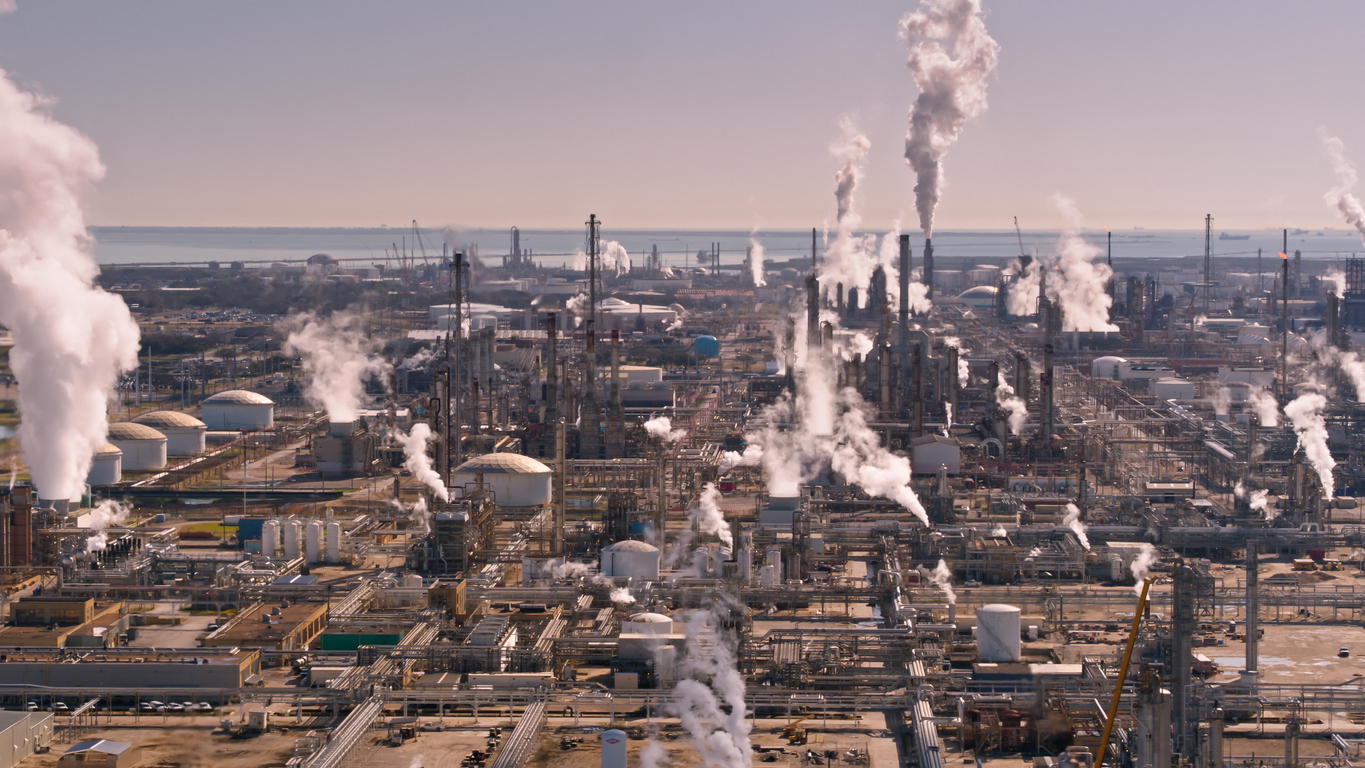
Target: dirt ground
{"type": "Point", "coordinates": [184, 746]}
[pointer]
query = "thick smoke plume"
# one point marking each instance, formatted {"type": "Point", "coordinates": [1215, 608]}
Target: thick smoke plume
{"type": "Point", "coordinates": [1305, 413]}
{"type": "Point", "coordinates": [1337, 280]}
{"type": "Point", "coordinates": [336, 359]}
{"type": "Point", "coordinates": [1072, 520]}
{"type": "Point", "coordinates": [1142, 566]}
{"type": "Point", "coordinates": [416, 460]}
{"type": "Point", "coordinates": [1267, 410]}
{"type": "Point", "coordinates": [1342, 197]}
{"type": "Point", "coordinates": [661, 427]}
{"type": "Point", "coordinates": [613, 257]}
{"type": "Point", "coordinates": [707, 518]}
{"type": "Point", "coordinates": [756, 263]}
{"type": "Point", "coordinates": [952, 88]}
{"type": "Point", "coordinates": [72, 340]}
{"type": "Point", "coordinates": [106, 514]}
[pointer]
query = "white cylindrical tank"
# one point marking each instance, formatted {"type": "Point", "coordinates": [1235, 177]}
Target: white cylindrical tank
{"type": "Point", "coordinates": [1116, 568]}
{"type": "Point", "coordinates": [313, 541]}
{"type": "Point", "coordinates": [1105, 367]}
{"type": "Point", "coordinates": [292, 529]}
{"type": "Point", "coordinates": [746, 565]}
{"type": "Point", "coordinates": [515, 480]}
{"type": "Point", "coordinates": [614, 749]}
{"type": "Point", "coordinates": [143, 448]}
{"type": "Point", "coordinates": [767, 576]}
{"type": "Point", "coordinates": [106, 467]}
{"type": "Point", "coordinates": [238, 409]}
{"type": "Point", "coordinates": [270, 538]}
{"type": "Point", "coordinates": [1173, 389]}
{"type": "Point", "coordinates": [631, 559]}
{"type": "Point", "coordinates": [775, 559]}
{"type": "Point", "coordinates": [647, 624]}
{"type": "Point", "coordinates": [333, 542]}
{"type": "Point", "coordinates": [412, 581]}
{"type": "Point", "coordinates": [997, 632]}
{"type": "Point", "coordinates": [185, 435]}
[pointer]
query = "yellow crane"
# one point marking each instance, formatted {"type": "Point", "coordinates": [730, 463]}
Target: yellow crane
{"type": "Point", "coordinates": [1123, 674]}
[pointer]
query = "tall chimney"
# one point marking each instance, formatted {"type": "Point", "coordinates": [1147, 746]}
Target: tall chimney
{"type": "Point", "coordinates": [952, 389]}
{"type": "Point", "coordinates": [929, 268]}
{"type": "Point", "coordinates": [1253, 605]}
{"type": "Point", "coordinates": [1022, 377]}
{"type": "Point", "coordinates": [616, 432]}
{"type": "Point", "coordinates": [1046, 392]}
{"type": "Point", "coordinates": [905, 291]}
{"type": "Point", "coordinates": [812, 309]}
{"type": "Point", "coordinates": [1332, 319]}
{"type": "Point", "coordinates": [551, 369]}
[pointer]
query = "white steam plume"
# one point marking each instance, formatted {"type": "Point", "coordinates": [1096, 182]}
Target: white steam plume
{"type": "Point", "coordinates": [756, 262]}
{"type": "Point", "coordinates": [416, 460]}
{"type": "Point", "coordinates": [1305, 413]}
{"type": "Point", "coordinates": [661, 427]}
{"type": "Point", "coordinates": [1221, 400]}
{"type": "Point", "coordinates": [1239, 491]}
{"type": "Point", "coordinates": [751, 457]}
{"type": "Point", "coordinates": [421, 516]}
{"type": "Point", "coordinates": [613, 257]}
{"type": "Point", "coordinates": [1142, 566]}
{"type": "Point", "coordinates": [417, 361]}
{"type": "Point", "coordinates": [653, 755]}
{"type": "Point", "coordinates": [707, 518]}
{"type": "Point", "coordinates": [1266, 408]}
{"type": "Point", "coordinates": [721, 739]}
{"type": "Point", "coordinates": [999, 532]}
{"type": "Point", "coordinates": [578, 307]}
{"type": "Point", "coordinates": [1021, 297]}
{"type": "Point", "coordinates": [1342, 196]}
{"type": "Point", "coordinates": [947, 417]}
{"type": "Point", "coordinates": [1072, 520]}
{"type": "Point", "coordinates": [72, 340]}
{"type": "Point", "coordinates": [952, 88]}
{"type": "Point", "coordinates": [106, 514]}
{"type": "Point", "coordinates": [1337, 280]}
{"type": "Point", "coordinates": [1081, 286]}
{"type": "Point", "coordinates": [941, 577]}
{"type": "Point", "coordinates": [1016, 410]}
{"type": "Point", "coordinates": [336, 358]}
{"type": "Point", "coordinates": [1260, 502]}
{"type": "Point", "coordinates": [622, 596]}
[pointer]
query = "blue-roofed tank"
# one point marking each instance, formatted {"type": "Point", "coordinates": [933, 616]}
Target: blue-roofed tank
{"type": "Point", "coordinates": [706, 346]}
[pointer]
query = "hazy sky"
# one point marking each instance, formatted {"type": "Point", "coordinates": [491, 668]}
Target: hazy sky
{"type": "Point", "coordinates": [695, 114]}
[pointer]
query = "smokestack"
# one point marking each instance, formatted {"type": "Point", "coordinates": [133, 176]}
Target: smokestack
{"type": "Point", "coordinates": [557, 536]}
{"type": "Point", "coordinates": [1284, 329]}
{"type": "Point", "coordinates": [812, 309]}
{"type": "Point", "coordinates": [839, 299]}
{"type": "Point", "coordinates": [1253, 605]}
{"type": "Point", "coordinates": [1022, 377]}
{"type": "Point", "coordinates": [884, 381]}
{"type": "Point", "coordinates": [616, 432]}
{"type": "Point", "coordinates": [928, 269]}
{"type": "Point", "coordinates": [1332, 319]}
{"type": "Point", "coordinates": [1253, 439]}
{"type": "Point", "coordinates": [952, 378]}
{"type": "Point", "coordinates": [551, 369]}
{"type": "Point", "coordinates": [1046, 393]}
{"type": "Point", "coordinates": [905, 292]}
{"type": "Point", "coordinates": [917, 391]}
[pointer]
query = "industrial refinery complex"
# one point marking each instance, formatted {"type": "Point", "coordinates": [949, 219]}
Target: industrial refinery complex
{"type": "Point", "coordinates": [889, 499]}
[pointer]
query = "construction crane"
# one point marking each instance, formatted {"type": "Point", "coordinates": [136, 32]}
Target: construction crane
{"type": "Point", "coordinates": [1020, 236]}
{"type": "Point", "coordinates": [1123, 674]}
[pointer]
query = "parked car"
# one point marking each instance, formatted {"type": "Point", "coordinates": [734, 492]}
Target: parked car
{"type": "Point", "coordinates": [203, 706]}
{"type": "Point", "coordinates": [175, 706]}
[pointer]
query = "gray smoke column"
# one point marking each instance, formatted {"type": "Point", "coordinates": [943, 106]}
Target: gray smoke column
{"type": "Point", "coordinates": [850, 150]}
{"type": "Point", "coordinates": [1305, 413]}
{"type": "Point", "coordinates": [1342, 196]}
{"type": "Point", "coordinates": [72, 340]}
{"type": "Point", "coordinates": [416, 460]}
{"type": "Point", "coordinates": [336, 358]}
{"type": "Point", "coordinates": [950, 56]}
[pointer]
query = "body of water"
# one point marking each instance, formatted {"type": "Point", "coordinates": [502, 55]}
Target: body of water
{"type": "Point", "coordinates": [192, 246]}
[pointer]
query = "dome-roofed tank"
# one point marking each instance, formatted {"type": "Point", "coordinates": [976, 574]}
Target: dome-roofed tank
{"type": "Point", "coordinates": [631, 559]}
{"type": "Point", "coordinates": [647, 624]}
{"type": "Point", "coordinates": [106, 467]}
{"type": "Point", "coordinates": [997, 632]}
{"type": "Point", "coordinates": [706, 346]}
{"type": "Point", "coordinates": [238, 409]}
{"type": "Point", "coordinates": [143, 448]}
{"type": "Point", "coordinates": [1106, 367]}
{"type": "Point", "coordinates": [516, 480]}
{"type": "Point", "coordinates": [184, 433]}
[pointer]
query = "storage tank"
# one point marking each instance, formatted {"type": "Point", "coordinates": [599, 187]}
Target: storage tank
{"type": "Point", "coordinates": [1173, 389]}
{"type": "Point", "coordinates": [767, 576]}
{"type": "Point", "coordinates": [313, 540]}
{"type": "Point", "coordinates": [647, 624]}
{"type": "Point", "coordinates": [630, 559]}
{"type": "Point", "coordinates": [516, 480]}
{"type": "Point", "coordinates": [270, 538]}
{"type": "Point", "coordinates": [412, 581]}
{"type": "Point", "coordinates": [185, 435]}
{"type": "Point", "coordinates": [143, 448]}
{"type": "Point", "coordinates": [292, 529]}
{"type": "Point", "coordinates": [706, 346]}
{"type": "Point", "coordinates": [701, 558]}
{"type": "Point", "coordinates": [333, 546]}
{"type": "Point", "coordinates": [1105, 367]}
{"type": "Point", "coordinates": [238, 409]}
{"type": "Point", "coordinates": [106, 467]}
{"type": "Point", "coordinates": [997, 633]}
